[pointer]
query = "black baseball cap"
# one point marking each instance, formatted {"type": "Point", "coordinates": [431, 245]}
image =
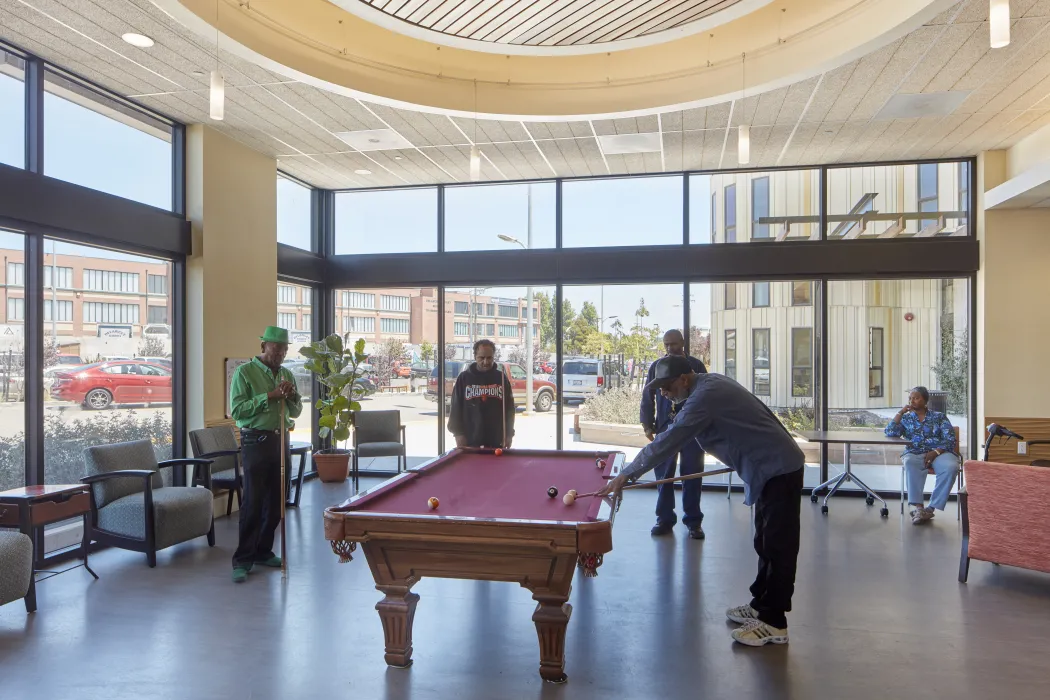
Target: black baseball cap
{"type": "Point", "coordinates": [668, 369]}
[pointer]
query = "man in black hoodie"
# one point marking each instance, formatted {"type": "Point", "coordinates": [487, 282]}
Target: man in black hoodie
{"type": "Point", "coordinates": [482, 413]}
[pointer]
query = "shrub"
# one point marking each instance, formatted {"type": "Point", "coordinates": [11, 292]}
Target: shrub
{"type": "Point", "coordinates": [613, 406]}
{"type": "Point", "coordinates": [796, 417]}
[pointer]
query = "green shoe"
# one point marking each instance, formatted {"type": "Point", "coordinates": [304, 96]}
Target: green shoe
{"type": "Point", "coordinates": [240, 574]}
{"type": "Point", "coordinates": [273, 562]}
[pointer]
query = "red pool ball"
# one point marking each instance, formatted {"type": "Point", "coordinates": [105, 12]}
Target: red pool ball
{"type": "Point", "coordinates": [499, 452]}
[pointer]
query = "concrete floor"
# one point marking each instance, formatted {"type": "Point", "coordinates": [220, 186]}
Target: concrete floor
{"type": "Point", "coordinates": [878, 614]}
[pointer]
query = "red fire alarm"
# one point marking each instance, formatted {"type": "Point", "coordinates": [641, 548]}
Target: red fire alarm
{"type": "Point", "coordinates": [909, 316]}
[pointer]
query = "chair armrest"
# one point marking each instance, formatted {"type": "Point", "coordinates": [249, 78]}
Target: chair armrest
{"type": "Point", "coordinates": [119, 474]}
{"type": "Point", "coordinates": [403, 436]}
{"type": "Point", "coordinates": [186, 461]}
{"type": "Point", "coordinates": [221, 453]}
{"type": "Point", "coordinates": [192, 462]}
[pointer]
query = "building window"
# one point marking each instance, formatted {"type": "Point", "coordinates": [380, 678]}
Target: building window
{"type": "Point", "coordinates": [285, 294]}
{"type": "Point", "coordinates": [158, 284]}
{"type": "Point", "coordinates": [16, 274]}
{"type": "Point", "coordinates": [927, 191]}
{"type": "Point", "coordinates": [490, 329]}
{"type": "Point", "coordinates": [156, 314]}
{"type": "Point", "coordinates": [508, 311]}
{"type": "Point", "coordinates": [760, 294]}
{"type": "Point", "coordinates": [714, 214]}
{"type": "Point", "coordinates": [16, 309]}
{"type": "Point", "coordinates": [490, 309]}
{"type": "Point", "coordinates": [730, 296]}
{"type": "Point", "coordinates": [964, 187]}
{"type": "Point", "coordinates": [63, 276]}
{"type": "Point", "coordinates": [460, 328]}
{"type": "Point", "coordinates": [462, 307]}
{"type": "Point", "coordinates": [760, 365]}
{"type": "Point", "coordinates": [759, 206]}
{"type": "Point", "coordinates": [65, 310]}
{"type": "Point", "coordinates": [359, 324]}
{"type": "Point", "coordinates": [801, 361]}
{"type": "Point", "coordinates": [308, 295]}
{"type": "Point", "coordinates": [507, 331]}
{"type": "Point", "coordinates": [111, 281]}
{"type": "Point", "coordinates": [875, 355]}
{"type": "Point", "coordinates": [389, 302]}
{"type": "Point", "coordinates": [730, 367]}
{"type": "Point", "coordinates": [729, 213]}
{"type": "Point", "coordinates": [286, 321]}
{"type": "Point", "coordinates": [359, 300]}
{"type": "Point", "coordinates": [100, 312]}
{"type": "Point", "coordinates": [308, 322]}
{"type": "Point", "coordinates": [801, 293]}
{"type": "Point", "coordinates": [479, 309]}
{"type": "Point", "coordinates": [397, 326]}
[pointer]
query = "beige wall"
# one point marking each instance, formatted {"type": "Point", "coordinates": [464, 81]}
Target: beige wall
{"type": "Point", "coordinates": [232, 274]}
{"type": "Point", "coordinates": [1016, 247]}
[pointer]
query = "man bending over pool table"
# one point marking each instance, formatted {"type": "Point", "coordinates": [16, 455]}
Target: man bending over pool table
{"type": "Point", "coordinates": [734, 426]}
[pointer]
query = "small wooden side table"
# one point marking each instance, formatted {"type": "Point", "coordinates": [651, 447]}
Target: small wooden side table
{"type": "Point", "coordinates": [30, 507]}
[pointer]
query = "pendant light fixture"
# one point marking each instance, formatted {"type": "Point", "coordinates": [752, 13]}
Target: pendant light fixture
{"type": "Point", "coordinates": [475, 152]}
{"type": "Point", "coordinates": [999, 23]}
{"type": "Point", "coordinates": [743, 135]}
{"type": "Point", "coordinates": [217, 86]}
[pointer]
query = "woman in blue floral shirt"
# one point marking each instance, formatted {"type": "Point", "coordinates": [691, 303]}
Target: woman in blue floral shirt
{"type": "Point", "coordinates": [933, 445]}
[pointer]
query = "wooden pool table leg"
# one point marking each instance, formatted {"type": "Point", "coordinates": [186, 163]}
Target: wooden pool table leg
{"type": "Point", "coordinates": [397, 611]}
{"type": "Point", "coordinates": [551, 618]}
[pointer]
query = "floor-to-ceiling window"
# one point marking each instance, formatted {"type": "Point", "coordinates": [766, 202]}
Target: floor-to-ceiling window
{"type": "Point", "coordinates": [400, 330]}
{"type": "Point", "coordinates": [386, 221]}
{"type": "Point", "coordinates": [885, 338]}
{"type": "Point", "coordinates": [610, 336]}
{"type": "Point", "coordinates": [630, 211]}
{"type": "Point", "coordinates": [12, 362]}
{"type": "Point", "coordinates": [501, 314]}
{"type": "Point", "coordinates": [295, 313]}
{"type": "Point", "coordinates": [294, 220]}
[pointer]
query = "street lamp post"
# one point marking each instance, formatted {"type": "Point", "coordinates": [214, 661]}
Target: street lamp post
{"type": "Point", "coordinates": [528, 305]}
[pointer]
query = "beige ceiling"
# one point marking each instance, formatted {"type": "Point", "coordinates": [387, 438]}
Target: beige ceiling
{"type": "Point", "coordinates": [826, 119]}
{"type": "Point", "coordinates": [550, 22]}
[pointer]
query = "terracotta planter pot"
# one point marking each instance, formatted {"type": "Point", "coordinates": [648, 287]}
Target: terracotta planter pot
{"type": "Point", "coordinates": [332, 467]}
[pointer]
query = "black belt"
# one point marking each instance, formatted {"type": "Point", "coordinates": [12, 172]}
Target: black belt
{"type": "Point", "coordinates": [253, 431]}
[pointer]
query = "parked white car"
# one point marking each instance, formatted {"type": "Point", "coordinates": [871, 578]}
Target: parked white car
{"type": "Point", "coordinates": [582, 378]}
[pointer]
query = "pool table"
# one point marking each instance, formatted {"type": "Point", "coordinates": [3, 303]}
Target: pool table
{"type": "Point", "coordinates": [494, 522]}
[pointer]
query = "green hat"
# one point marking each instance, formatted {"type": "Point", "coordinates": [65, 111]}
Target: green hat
{"type": "Point", "coordinates": [274, 334]}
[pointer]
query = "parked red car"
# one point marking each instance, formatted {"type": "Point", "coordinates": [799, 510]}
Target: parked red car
{"type": "Point", "coordinates": [102, 384]}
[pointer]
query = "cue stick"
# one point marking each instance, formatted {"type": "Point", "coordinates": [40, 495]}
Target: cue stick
{"type": "Point", "coordinates": [284, 498]}
{"type": "Point", "coordinates": [701, 475]}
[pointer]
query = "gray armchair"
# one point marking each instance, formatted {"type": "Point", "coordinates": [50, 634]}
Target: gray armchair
{"type": "Point", "coordinates": [378, 434]}
{"type": "Point", "coordinates": [219, 444]}
{"type": "Point", "coordinates": [131, 508]}
{"type": "Point", "coordinates": [16, 569]}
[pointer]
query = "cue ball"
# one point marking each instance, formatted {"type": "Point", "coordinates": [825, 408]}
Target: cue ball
{"type": "Point", "coordinates": [569, 499]}
{"type": "Point", "coordinates": [433, 503]}
{"type": "Point", "coordinates": [499, 452]}
{"type": "Point", "coordinates": [552, 492]}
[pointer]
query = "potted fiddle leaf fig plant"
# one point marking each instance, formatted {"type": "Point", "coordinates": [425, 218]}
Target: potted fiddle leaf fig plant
{"type": "Point", "coordinates": [335, 363]}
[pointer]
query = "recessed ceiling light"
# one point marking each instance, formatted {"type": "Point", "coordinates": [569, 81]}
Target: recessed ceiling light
{"type": "Point", "coordinates": [397, 157]}
{"type": "Point", "coordinates": [140, 40]}
{"type": "Point", "coordinates": [198, 73]}
{"type": "Point", "coordinates": [362, 171]}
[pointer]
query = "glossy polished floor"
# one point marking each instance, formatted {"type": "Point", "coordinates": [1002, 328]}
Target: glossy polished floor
{"type": "Point", "coordinates": [878, 614]}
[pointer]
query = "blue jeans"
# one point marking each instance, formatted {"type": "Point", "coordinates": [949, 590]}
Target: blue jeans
{"type": "Point", "coordinates": [945, 467]}
{"type": "Point", "coordinates": [692, 463]}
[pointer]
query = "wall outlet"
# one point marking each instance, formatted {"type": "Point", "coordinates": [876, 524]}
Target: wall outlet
{"type": "Point", "coordinates": [1022, 448]}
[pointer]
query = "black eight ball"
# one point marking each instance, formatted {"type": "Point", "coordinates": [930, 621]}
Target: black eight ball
{"type": "Point", "coordinates": [552, 492]}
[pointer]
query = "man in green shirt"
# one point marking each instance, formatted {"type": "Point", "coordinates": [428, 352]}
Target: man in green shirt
{"type": "Point", "coordinates": [257, 391]}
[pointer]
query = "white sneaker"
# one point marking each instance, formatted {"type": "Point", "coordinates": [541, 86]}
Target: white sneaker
{"type": "Point", "coordinates": [742, 614]}
{"type": "Point", "coordinates": [757, 634]}
{"type": "Point", "coordinates": [921, 515]}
